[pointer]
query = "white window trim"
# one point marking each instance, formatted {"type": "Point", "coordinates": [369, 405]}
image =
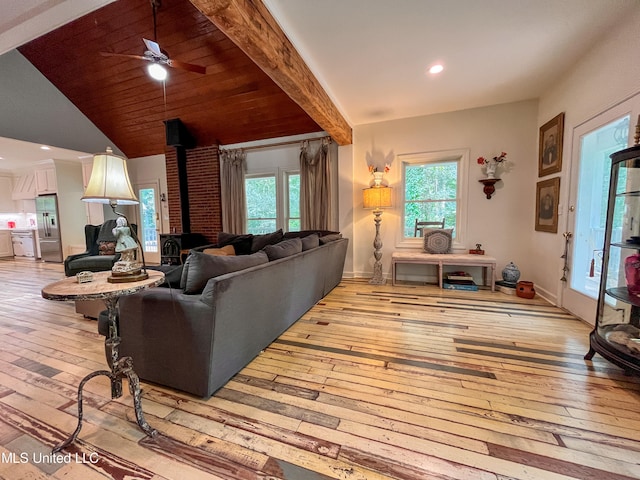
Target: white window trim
{"type": "Point", "coordinates": [461, 156]}
{"type": "Point", "coordinates": [286, 173]}
{"type": "Point", "coordinates": [282, 192]}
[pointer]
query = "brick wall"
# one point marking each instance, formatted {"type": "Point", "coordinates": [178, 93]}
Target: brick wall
{"type": "Point", "coordinates": [203, 176]}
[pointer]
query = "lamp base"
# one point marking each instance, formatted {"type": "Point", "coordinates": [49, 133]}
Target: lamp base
{"type": "Point", "coordinates": [125, 277]}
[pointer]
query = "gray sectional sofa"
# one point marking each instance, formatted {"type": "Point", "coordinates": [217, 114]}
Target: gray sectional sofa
{"type": "Point", "coordinates": [195, 342]}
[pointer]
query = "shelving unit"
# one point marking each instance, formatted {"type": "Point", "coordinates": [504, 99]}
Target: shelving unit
{"type": "Point", "coordinates": [616, 335]}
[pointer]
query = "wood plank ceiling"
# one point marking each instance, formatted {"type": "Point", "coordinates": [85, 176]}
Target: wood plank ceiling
{"type": "Point", "coordinates": [235, 101]}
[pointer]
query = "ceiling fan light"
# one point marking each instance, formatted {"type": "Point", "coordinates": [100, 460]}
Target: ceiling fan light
{"type": "Point", "coordinates": [157, 71]}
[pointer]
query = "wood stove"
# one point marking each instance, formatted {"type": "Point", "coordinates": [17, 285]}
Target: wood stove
{"type": "Point", "coordinates": [174, 247]}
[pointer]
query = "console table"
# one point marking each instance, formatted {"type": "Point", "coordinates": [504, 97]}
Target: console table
{"type": "Point", "coordinates": [100, 289]}
{"type": "Point", "coordinates": [453, 259]}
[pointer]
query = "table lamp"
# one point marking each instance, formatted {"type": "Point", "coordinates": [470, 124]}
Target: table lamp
{"type": "Point", "coordinates": [109, 183]}
{"type": "Point", "coordinates": [377, 198]}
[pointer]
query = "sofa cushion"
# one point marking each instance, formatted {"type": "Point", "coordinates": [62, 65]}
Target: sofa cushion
{"type": "Point", "coordinates": [106, 248]}
{"type": "Point", "coordinates": [310, 241]}
{"type": "Point", "coordinates": [200, 267]}
{"type": "Point", "coordinates": [306, 233]}
{"type": "Point", "coordinates": [226, 250]}
{"type": "Point", "coordinates": [261, 241]}
{"type": "Point", "coordinates": [106, 231]}
{"type": "Point", "coordinates": [91, 263]}
{"type": "Point", "coordinates": [332, 237]}
{"type": "Point", "coordinates": [241, 243]}
{"type": "Point", "coordinates": [283, 249]}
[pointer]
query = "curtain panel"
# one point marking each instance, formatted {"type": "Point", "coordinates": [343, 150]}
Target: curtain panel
{"type": "Point", "coordinates": [315, 186]}
{"type": "Point", "coordinates": [233, 164]}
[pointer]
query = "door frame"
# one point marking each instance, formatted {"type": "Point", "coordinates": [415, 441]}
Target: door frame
{"type": "Point", "coordinates": [575, 302]}
{"type": "Point", "coordinates": [150, 257]}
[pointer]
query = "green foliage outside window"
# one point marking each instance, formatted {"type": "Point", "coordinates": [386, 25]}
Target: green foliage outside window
{"type": "Point", "coordinates": [294, 202]}
{"type": "Point", "coordinates": [261, 204]}
{"type": "Point", "coordinates": [430, 194]}
{"type": "Point", "coordinates": [148, 219]}
{"type": "Point", "coordinates": [262, 208]}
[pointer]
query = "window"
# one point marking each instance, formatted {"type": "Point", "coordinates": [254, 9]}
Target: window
{"type": "Point", "coordinates": [261, 204]}
{"type": "Point", "coordinates": [273, 201]}
{"type": "Point", "coordinates": [293, 204]}
{"type": "Point", "coordinates": [434, 187]}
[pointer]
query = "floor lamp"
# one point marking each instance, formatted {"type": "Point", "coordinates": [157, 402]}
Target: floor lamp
{"type": "Point", "coordinates": [377, 198]}
{"type": "Point", "coordinates": [109, 183]}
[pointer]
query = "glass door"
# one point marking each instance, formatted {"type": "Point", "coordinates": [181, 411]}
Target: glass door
{"type": "Point", "coordinates": [593, 142]}
{"type": "Point", "coordinates": [149, 225]}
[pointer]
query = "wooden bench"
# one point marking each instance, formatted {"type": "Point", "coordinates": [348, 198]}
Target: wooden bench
{"type": "Point", "coordinates": [463, 260]}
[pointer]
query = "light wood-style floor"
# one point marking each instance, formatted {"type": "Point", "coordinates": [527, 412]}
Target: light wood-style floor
{"type": "Point", "coordinates": [374, 382]}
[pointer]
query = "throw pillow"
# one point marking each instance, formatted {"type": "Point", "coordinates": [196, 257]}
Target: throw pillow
{"type": "Point", "coordinates": [202, 267]}
{"type": "Point", "coordinates": [261, 241]}
{"type": "Point", "coordinates": [332, 237]}
{"type": "Point", "coordinates": [241, 243]}
{"type": "Point", "coordinates": [437, 240]}
{"type": "Point", "coordinates": [283, 249]}
{"type": "Point", "coordinates": [305, 233]}
{"type": "Point", "coordinates": [310, 241]}
{"type": "Point", "coordinates": [106, 248]}
{"type": "Point", "coordinates": [226, 250]}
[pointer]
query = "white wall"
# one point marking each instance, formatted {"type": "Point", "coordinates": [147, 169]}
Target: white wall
{"type": "Point", "coordinates": [501, 224]}
{"type": "Point", "coordinates": [609, 74]}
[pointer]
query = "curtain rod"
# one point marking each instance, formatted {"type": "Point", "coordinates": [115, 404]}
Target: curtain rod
{"type": "Point", "coordinates": [278, 144]}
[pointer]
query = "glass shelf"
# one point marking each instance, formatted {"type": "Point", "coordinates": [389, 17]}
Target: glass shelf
{"type": "Point", "coordinates": [622, 293]}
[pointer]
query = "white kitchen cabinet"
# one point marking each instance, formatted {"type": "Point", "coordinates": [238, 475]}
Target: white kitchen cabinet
{"type": "Point", "coordinates": [24, 186]}
{"type": "Point", "coordinates": [6, 247]}
{"type": "Point", "coordinates": [46, 181]}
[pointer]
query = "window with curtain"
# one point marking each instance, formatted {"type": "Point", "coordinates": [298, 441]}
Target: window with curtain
{"type": "Point", "coordinates": [273, 201]}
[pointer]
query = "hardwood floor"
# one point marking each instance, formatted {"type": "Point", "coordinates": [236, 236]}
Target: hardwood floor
{"type": "Point", "coordinates": [374, 382]}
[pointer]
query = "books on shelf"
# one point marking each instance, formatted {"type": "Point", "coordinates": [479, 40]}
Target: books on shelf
{"type": "Point", "coordinates": [459, 276]}
{"type": "Point", "coordinates": [460, 285]}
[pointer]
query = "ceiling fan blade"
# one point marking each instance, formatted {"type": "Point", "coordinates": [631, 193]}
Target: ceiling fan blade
{"type": "Point", "coordinates": [138, 57]}
{"type": "Point", "coordinates": [186, 66]}
{"type": "Point", "coordinates": [153, 47]}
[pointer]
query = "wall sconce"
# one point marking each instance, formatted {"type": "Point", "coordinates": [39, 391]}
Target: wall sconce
{"type": "Point", "coordinates": [163, 197]}
{"type": "Point", "coordinates": [489, 186]}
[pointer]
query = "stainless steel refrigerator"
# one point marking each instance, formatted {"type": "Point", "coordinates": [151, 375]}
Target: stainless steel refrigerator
{"type": "Point", "coordinates": [48, 228]}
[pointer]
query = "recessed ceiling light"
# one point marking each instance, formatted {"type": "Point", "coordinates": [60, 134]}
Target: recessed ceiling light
{"type": "Point", "coordinates": [44, 147]}
{"type": "Point", "coordinates": [437, 68]}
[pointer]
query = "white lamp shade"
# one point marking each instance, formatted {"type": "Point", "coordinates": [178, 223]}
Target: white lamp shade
{"type": "Point", "coordinates": [377, 197]}
{"type": "Point", "coordinates": [109, 181]}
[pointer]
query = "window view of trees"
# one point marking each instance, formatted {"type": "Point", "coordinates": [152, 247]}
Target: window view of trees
{"type": "Point", "coordinates": [264, 215]}
{"type": "Point", "coordinates": [430, 194]}
{"type": "Point", "coordinates": [148, 219]}
{"type": "Point", "coordinates": [293, 217]}
{"type": "Point", "coordinates": [261, 204]}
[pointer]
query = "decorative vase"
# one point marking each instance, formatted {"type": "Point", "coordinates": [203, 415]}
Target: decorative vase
{"type": "Point", "coordinates": [632, 273]}
{"type": "Point", "coordinates": [491, 169]}
{"type": "Point", "coordinates": [377, 178]}
{"type": "Point", "coordinates": [511, 273]}
{"type": "Point", "coordinates": [525, 289]}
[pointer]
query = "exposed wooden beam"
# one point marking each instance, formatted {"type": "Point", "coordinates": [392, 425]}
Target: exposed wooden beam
{"type": "Point", "coordinates": [251, 27]}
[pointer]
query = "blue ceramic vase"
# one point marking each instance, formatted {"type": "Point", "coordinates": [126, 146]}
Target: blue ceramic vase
{"type": "Point", "coordinates": [511, 273]}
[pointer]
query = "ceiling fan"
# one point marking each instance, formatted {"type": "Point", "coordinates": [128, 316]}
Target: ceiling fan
{"type": "Point", "coordinates": [156, 56]}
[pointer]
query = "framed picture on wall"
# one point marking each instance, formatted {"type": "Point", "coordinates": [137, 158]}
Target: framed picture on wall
{"type": "Point", "coordinates": [550, 146]}
{"type": "Point", "coordinates": [547, 194]}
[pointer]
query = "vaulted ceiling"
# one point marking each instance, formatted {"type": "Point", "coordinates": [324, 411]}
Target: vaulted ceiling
{"type": "Point", "coordinates": [235, 101]}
